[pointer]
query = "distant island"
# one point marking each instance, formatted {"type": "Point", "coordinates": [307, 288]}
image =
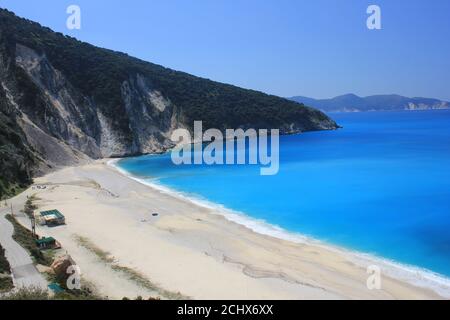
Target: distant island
{"type": "Point", "coordinates": [354, 103]}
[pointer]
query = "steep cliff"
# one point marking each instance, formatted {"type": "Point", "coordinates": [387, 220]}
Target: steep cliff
{"type": "Point", "coordinates": [68, 101]}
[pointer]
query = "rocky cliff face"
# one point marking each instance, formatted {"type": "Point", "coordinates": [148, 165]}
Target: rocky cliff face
{"type": "Point", "coordinates": [71, 117]}
{"type": "Point", "coordinates": [69, 102]}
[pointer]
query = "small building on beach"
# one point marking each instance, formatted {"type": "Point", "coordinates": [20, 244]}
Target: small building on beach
{"type": "Point", "coordinates": [52, 218]}
{"type": "Point", "coordinates": [47, 243]}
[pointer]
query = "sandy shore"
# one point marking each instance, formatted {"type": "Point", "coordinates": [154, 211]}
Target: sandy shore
{"type": "Point", "coordinates": [187, 251]}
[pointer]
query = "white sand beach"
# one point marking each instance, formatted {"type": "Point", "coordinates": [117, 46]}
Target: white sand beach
{"type": "Point", "coordinates": [188, 250]}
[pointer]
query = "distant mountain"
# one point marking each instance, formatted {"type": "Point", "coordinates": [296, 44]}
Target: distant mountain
{"type": "Point", "coordinates": [354, 103]}
{"type": "Point", "coordinates": [64, 102]}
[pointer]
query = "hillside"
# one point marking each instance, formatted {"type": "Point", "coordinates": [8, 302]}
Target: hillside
{"type": "Point", "coordinates": [64, 102]}
{"type": "Point", "coordinates": [353, 103]}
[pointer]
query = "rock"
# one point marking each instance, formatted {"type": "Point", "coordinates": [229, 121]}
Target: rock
{"type": "Point", "coordinates": [60, 266]}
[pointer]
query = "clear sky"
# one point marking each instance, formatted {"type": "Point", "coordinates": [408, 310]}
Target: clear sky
{"type": "Point", "coordinates": [316, 48]}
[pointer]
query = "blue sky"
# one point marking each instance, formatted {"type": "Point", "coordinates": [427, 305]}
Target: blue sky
{"type": "Point", "coordinates": [316, 48]}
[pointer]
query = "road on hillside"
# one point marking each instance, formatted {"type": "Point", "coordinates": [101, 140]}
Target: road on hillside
{"type": "Point", "coordinates": [23, 270]}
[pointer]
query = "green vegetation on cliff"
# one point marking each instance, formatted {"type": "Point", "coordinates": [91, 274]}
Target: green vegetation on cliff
{"type": "Point", "coordinates": [15, 156]}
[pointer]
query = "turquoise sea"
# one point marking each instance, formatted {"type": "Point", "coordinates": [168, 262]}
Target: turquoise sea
{"type": "Point", "coordinates": [380, 185]}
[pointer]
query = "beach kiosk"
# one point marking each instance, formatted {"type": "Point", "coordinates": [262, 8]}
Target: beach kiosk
{"type": "Point", "coordinates": [52, 218]}
{"type": "Point", "coordinates": [47, 243]}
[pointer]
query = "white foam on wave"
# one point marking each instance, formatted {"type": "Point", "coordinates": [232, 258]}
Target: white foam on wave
{"type": "Point", "coordinates": [411, 274]}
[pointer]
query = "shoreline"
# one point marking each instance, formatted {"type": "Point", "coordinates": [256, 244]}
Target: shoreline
{"type": "Point", "coordinates": [188, 250]}
{"type": "Point", "coordinates": [412, 274]}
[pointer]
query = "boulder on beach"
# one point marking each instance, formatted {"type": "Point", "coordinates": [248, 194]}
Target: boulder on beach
{"type": "Point", "coordinates": [61, 265]}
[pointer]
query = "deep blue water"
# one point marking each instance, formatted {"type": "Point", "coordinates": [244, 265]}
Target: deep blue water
{"type": "Point", "coordinates": [381, 185]}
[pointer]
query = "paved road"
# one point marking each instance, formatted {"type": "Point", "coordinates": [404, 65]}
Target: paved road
{"type": "Point", "coordinates": [24, 272]}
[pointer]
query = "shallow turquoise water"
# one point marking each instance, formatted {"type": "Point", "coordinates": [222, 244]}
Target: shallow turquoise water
{"type": "Point", "coordinates": [381, 185]}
